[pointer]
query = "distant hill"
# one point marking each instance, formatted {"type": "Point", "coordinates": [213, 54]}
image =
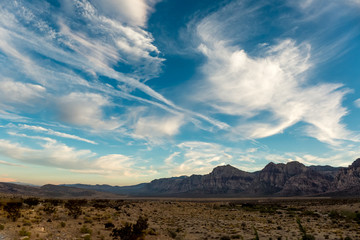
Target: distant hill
{"type": "Point", "coordinates": [274, 180]}
{"type": "Point", "coordinates": [52, 191]}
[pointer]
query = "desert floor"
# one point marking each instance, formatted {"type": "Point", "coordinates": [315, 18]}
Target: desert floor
{"type": "Point", "coordinates": [187, 219]}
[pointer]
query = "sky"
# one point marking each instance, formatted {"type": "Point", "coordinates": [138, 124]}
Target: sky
{"type": "Point", "coordinates": [121, 92]}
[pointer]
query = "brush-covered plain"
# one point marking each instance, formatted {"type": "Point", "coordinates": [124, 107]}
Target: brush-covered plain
{"type": "Point", "coordinates": [35, 218]}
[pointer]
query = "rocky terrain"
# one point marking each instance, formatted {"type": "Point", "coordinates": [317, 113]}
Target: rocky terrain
{"type": "Point", "coordinates": [276, 180]}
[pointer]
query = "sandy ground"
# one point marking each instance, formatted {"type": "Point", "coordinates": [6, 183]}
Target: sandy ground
{"type": "Point", "coordinates": [179, 219]}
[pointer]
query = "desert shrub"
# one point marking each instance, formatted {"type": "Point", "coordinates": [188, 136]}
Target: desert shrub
{"type": "Point", "coordinates": [53, 202]}
{"type": "Point", "coordinates": [334, 214]}
{"type": "Point", "coordinates": [74, 207]}
{"type": "Point", "coordinates": [256, 234]}
{"type": "Point", "coordinates": [13, 210]}
{"type": "Point", "coordinates": [2, 227]}
{"type": "Point", "coordinates": [225, 238]}
{"type": "Point", "coordinates": [357, 217]}
{"type": "Point", "coordinates": [31, 202]}
{"type": "Point", "coordinates": [237, 236]}
{"type": "Point", "coordinates": [117, 204]}
{"type": "Point", "coordinates": [23, 233]}
{"type": "Point", "coordinates": [62, 224]}
{"type": "Point", "coordinates": [109, 225]}
{"type": "Point", "coordinates": [172, 233]}
{"type": "Point", "coordinates": [124, 233]}
{"type": "Point", "coordinates": [84, 229]}
{"type": "Point", "coordinates": [305, 236]}
{"type": "Point", "coordinates": [152, 231]}
{"type": "Point", "coordinates": [310, 213]}
{"type": "Point", "coordinates": [101, 203]}
{"type": "Point", "coordinates": [88, 219]}
{"type": "Point", "coordinates": [131, 231]}
{"type": "Point", "coordinates": [49, 208]}
{"type": "Point", "coordinates": [26, 223]}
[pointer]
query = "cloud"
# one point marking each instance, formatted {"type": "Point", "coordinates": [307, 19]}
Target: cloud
{"type": "Point", "coordinates": [82, 48]}
{"type": "Point", "coordinates": [134, 12]}
{"type": "Point", "coordinates": [51, 153]}
{"type": "Point", "coordinates": [311, 3]}
{"type": "Point", "coordinates": [54, 133]}
{"type": "Point", "coordinates": [154, 128]}
{"type": "Point", "coordinates": [54, 154]}
{"type": "Point", "coordinates": [86, 109]}
{"type": "Point", "coordinates": [70, 51]}
{"type": "Point", "coordinates": [270, 92]}
{"type": "Point", "coordinates": [7, 179]}
{"type": "Point", "coordinates": [169, 160]}
{"type": "Point", "coordinates": [357, 103]}
{"type": "Point", "coordinates": [18, 94]}
{"type": "Point", "coordinates": [198, 158]}
{"type": "Point", "coordinates": [341, 158]}
{"type": "Point", "coordinates": [10, 164]}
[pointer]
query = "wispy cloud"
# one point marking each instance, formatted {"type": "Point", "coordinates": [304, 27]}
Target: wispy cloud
{"type": "Point", "coordinates": [273, 87]}
{"type": "Point", "coordinates": [54, 133]}
{"type": "Point", "coordinates": [55, 154]}
{"type": "Point", "coordinates": [357, 103]}
{"type": "Point", "coordinates": [197, 158]}
{"type": "Point", "coordinates": [107, 57]}
{"type": "Point", "coordinates": [14, 94]}
{"type": "Point", "coordinates": [10, 164]}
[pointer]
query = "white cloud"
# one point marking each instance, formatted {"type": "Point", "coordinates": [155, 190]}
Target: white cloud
{"type": "Point", "coordinates": [86, 109]}
{"type": "Point", "coordinates": [198, 158]}
{"type": "Point", "coordinates": [51, 153]}
{"type": "Point", "coordinates": [134, 12]}
{"type": "Point", "coordinates": [273, 87]}
{"type": "Point", "coordinates": [54, 133]}
{"type": "Point", "coordinates": [77, 58]}
{"type": "Point", "coordinates": [54, 154]}
{"type": "Point", "coordinates": [155, 128]}
{"type": "Point", "coordinates": [357, 103]}
{"type": "Point", "coordinates": [169, 160]}
{"type": "Point", "coordinates": [95, 48]}
{"type": "Point", "coordinates": [339, 159]}
{"type": "Point", "coordinates": [13, 93]}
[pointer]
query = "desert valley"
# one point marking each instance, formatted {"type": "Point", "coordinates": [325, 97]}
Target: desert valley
{"type": "Point", "coordinates": [282, 201]}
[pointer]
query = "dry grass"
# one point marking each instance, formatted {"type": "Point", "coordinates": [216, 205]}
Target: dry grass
{"type": "Point", "coordinates": [179, 219]}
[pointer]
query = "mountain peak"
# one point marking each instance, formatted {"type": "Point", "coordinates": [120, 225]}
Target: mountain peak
{"type": "Point", "coordinates": [225, 170]}
{"type": "Point", "coordinates": [356, 163]}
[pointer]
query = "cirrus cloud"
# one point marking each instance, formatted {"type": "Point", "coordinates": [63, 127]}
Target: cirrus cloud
{"type": "Point", "coordinates": [270, 92]}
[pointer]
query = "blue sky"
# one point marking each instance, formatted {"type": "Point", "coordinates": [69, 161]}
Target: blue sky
{"type": "Point", "coordinates": [125, 91]}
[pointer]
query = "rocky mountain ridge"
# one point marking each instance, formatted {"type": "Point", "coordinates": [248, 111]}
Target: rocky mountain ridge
{"type": "Point", "coordinates": [274, 180]}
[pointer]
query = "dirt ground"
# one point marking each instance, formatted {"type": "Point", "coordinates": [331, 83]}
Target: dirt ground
{"type": "Point", "coordinates": [187, 219]}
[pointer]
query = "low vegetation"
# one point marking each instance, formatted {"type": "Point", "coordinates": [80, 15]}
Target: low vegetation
{"type": "Point", "coordinates": [278, 219]}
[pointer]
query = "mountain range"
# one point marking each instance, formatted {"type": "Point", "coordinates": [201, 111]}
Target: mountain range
{"type": "Point", "coordinates": [274, 180]}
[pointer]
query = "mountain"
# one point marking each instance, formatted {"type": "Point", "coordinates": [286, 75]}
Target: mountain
{"type": "Point", "coordinates": [52, 191]}
{"type": "Point", "coordinates": [274, 180]}
{"type": "Point", "coordinates": [282, 180]}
